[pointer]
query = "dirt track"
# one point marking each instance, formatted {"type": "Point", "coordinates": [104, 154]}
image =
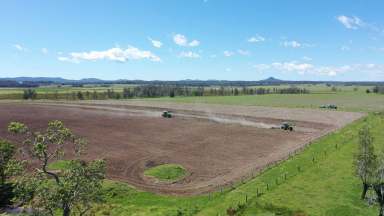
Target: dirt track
{"type": "Point", "coordinates": [133, 136]}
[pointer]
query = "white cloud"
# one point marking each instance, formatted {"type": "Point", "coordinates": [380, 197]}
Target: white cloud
{"type": "Point", "coordinates": [155, 43]}
{"type": "Point", "coordinates": [228, 53]}
{"type": "Point", "coordinates": [68, 59]}
{"type": "Point", "coordinates": [113, 54]}
{"type": "Point", "coordinates": [305, 68]}
{"type": "Point", "coordinates": [243, 52]}
{"type": "Point", "coordinates": [357, 23]}
{"type": "Point", "coordinates": [296, 44]}
{"type": "Point", "coordinates": [20, 47]}
{"type": "Point", "coordinates": [350, 22]}
{"type": "Point", "coordinates": [256, 39]}
{"type": "Point", "coordinates": [292, 66]}
{"type": "Point", "coordinates": [228, 69]}
{"type": "Point", "coordinates": [189, 54]}
{"type": "Point", "coordinates": [194, 43]}
{"type": "Point", "coordinates": [44, 50]}
{"type": "Point", "coordinates": [181, 40]}
{"type": "Point", "coordinates": [293, 44]}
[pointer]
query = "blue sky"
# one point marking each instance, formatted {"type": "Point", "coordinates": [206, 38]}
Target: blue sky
{"type": "Point", "coordinates": [194, 39]}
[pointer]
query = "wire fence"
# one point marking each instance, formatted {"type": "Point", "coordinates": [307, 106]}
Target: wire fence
{"type": "Point", "coordinates": [296, 167]}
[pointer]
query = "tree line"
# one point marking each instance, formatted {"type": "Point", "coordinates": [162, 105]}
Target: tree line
{"type": "Point", "coordinates": [153, 91]}
{"type": "Point", "coordinates": [378, 89]}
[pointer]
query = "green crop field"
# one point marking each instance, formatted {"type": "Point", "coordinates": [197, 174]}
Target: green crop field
{"type": "Point", "coordinates": [348, 100]}
{"type": "Point", "coordinates": [66, 89]}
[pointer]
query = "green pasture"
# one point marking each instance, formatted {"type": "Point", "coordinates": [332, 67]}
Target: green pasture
{"type": "Point", "coordinates": [349, 101]}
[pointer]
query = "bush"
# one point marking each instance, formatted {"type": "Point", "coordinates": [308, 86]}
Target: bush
{"type": "Point", "coordinates": [29, 94]}
{"type": "Point", "coordinates": [6, 195]}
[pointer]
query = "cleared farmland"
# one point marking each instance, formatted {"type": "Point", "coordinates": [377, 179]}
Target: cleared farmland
{"type": "Point", "coordinates": [211, 142]}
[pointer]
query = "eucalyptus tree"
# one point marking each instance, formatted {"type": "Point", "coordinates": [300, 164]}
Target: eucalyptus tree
{"type": "Point", "coordinates": [73, 189]}
{"type": "Point", "coordinates": [366, 160]}
{"type": "Point", "coordinates": [9, 167]}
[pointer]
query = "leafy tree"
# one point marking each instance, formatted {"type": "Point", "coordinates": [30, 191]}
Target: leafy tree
{"type": "Point", "coordinates": [378, 89]}
{"type": "Point", "coordinates": [366, 162]}
{"type": "Point", "coordinates": [80, 95]}
{"type": "Point", "coordinates": [127, 93]}
{"type": "Point", "coordinates": [7, 151]}
{"type": "Point", "coordinates": [8, 168]}
{"type": "Point", "coordinates": [94, 95]}
{"type": "Point", "coordinates": [72, 190]}
{"type": "Point", "coordinates": [56, 95]}
{"type": "Point", "coordinates": [375, 89]}
{"type": "Point", "coordinates": [29, 94]}
{"type": "Point", "coordinates": [378, 185]}
{"type": "Point", "coordinates": [236, 92]}
{"type": "Point", "coordinates": [172, 93]}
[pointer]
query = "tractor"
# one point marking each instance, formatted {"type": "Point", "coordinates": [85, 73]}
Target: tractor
{"type": "Point", "coordinates": [328, 106]}
{"type": "Point", "coordinates": [287, 126]}
{"type": "Point", "coordinates": [167, 114]}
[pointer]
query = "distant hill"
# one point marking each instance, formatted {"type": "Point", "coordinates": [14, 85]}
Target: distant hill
{"type": "Point", "coordinates": [37, 79]}
{"type": "Point", "coordinates": [33, 81]}
{"type": "Point", "coordinates": [271, 80]}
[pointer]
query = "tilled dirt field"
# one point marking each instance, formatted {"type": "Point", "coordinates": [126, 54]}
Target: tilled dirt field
{"type": "Point", "coordinates": [216, 146]}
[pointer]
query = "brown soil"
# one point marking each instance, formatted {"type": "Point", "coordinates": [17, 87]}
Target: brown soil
{"type": "Point", "coordinates": [132, 137]}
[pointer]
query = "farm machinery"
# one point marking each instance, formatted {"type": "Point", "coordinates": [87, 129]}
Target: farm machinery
{"type": "Point", "coordinates": [329, 106]}
{"type": "Point", "coordinates": [287, 126]}
{"type": "Point", "coordinates": [167, 114]}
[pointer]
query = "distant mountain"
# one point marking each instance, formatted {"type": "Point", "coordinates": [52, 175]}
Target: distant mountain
{"type": "Point", "coordinates": [38, 79]}
{"type": "Point", "coordinates": [91, 80]}
{"type": "Point", "coordinates": [271, 80]}
{"type": "Point", "coordinates": [52, 80]}
{"type": "Point", "coordinates": [33, 81]}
